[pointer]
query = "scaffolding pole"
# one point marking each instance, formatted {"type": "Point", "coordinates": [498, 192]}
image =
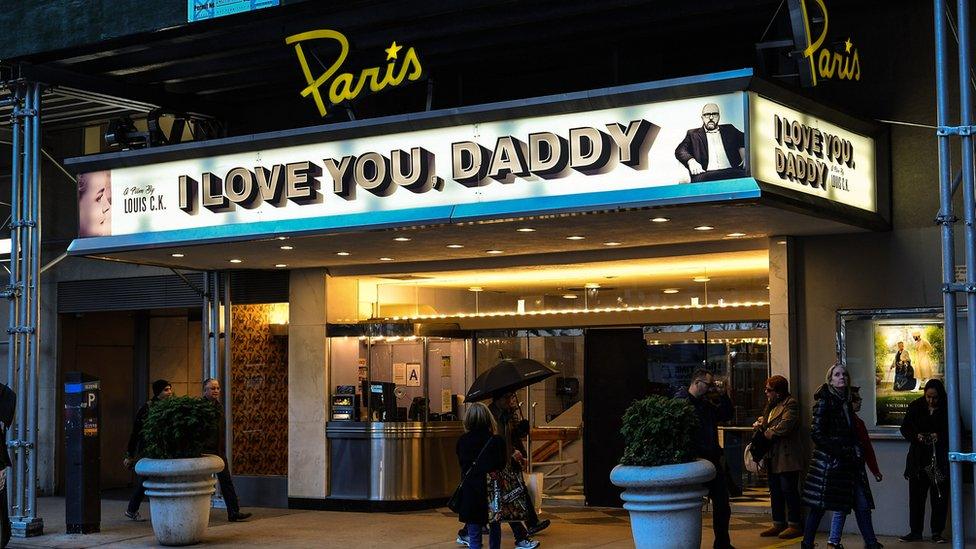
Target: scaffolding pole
{"type": "Point", "coordinates": [23, 292]}
{"type": "Point", "coordinates": [946, 218]}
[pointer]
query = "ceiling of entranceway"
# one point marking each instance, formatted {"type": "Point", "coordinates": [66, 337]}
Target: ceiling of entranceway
{"type": "Point", "coordinates": [605, 236]}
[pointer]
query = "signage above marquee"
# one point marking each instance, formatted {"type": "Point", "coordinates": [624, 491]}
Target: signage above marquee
{"type": "Point", "coordinates": [660, 152]}
{"type": "Point", "coordinates": [817, 60]}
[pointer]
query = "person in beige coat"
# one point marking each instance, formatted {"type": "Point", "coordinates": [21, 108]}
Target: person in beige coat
{"type": "Point", "coordinates": [784, 460]}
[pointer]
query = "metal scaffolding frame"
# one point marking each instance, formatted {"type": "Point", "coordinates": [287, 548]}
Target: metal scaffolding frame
{"type": "Point", "coordinates": [23, 292]}
{"type": "Point", "coordinates": [947, 219]}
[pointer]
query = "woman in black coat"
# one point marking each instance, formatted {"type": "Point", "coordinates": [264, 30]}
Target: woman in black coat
{"type": "Point", "coordinates": [926, 427]}
{"type": "Point", "coordinates": [836, 479]}
{"type": "Point", "coordinates": [480, 451]}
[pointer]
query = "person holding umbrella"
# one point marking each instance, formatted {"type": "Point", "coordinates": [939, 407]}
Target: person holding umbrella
{"type": "Point", "coordinates": [500, 384]}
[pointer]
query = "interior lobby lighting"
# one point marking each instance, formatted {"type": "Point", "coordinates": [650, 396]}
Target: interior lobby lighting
{"type": "Point", "coordinates": [525, 230]}
{"type": "Point", "coordinates": [455, 246]}
{"type": "Point", "coordinates": [235, 261]}
{"type": "Point", "coordinates": [701, 279]}
{"type": "Point", "coordinates": [386, 259]}
{"type": "Point", "coordinates": [287, 247]}
{"type": "Point", "coordinates": [176, 255]}
{"type": "Point", "coordinates": [281, 265]}
{"type": "Point", "coordinates": [575, 237]}
{"type": "Point", "coordinates": [704, 228]}
{"type": "Point", "coordinates": [671, 290]}
{"type": "Point", "coordinates": [735, 235]}
{"type": "Point", "coordinates": [342, 253]}
{"type": "Point", "coordinates": [570, 296]}
{"type": "Point", "coordinates": [661, 219]}
{"type": "Point", "coordinates": [591, 285]}
{"type": "Point", "coordinates": [402, 239]}
{"type": "Point", "coordinates": [494, 252]}
{"type": "Point", "coordinates": [611, 243]}
{"type": "Point", "coordinates": [598, 310]}
{"type": "Point", "coordinates": [476, 289]}
{"type": "Point", "coordinates": [282, 238]}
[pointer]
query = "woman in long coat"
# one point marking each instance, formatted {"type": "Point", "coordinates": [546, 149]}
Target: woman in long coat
{"type": "Point", "coordinates": [480, 451]}
{"type": "Point", "coordinates": [785, 459]}
{"type": "Point", "coordinates": [836, 480]}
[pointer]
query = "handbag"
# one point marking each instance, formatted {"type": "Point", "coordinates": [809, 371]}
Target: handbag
{"type": "Point", "coordinates": [455, 502]}
{"type": "Point", "coordinates": [507, 500]}
{"type": "Point", "coordinates": [753, 466]}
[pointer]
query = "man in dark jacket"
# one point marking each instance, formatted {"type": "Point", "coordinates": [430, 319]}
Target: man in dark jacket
{"type": "Point", "coordinates": [8, 403]}
{"type": "Point", "coordinates": [161, 389]}
{"type": "Point", "coordinates": [926, 427]}
{"type": "Point", "coordinates": [211, 392]}
{"type": "Point", "coordinates": [713, 151]}
{"type": "Point", "coordinates": [712, 408]}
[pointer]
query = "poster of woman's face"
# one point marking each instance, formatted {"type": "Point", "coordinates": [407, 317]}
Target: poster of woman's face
{"type": "Point", "coordinates": [905, 357]}
{"type": "Point", "coordinates": [95, 204]}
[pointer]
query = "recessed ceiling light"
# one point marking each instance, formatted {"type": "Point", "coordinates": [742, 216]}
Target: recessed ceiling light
{"type": "Point", "coordinates": [342, 253]}
{"type": "Point", "coordinates": [591, 285]}
{"type": "Point", "coordinates": [611, 243]}
{"type": "Point", "coordinates": [570, 296]}
{"type": "Point", "coordinates": [575, 237]}
{"type": "Point", "coordinates": [701, 279]}
{"type": "Point", "coordinates": [494, 251]}
{"type": "Point", "coordinates": [402, 239]}
{"type": "Point", "coordinates": [661, 219]}
{"type": "Point", "coordinates": [704, 228]}
{"type": "Point", "coordinates": [176, 255]}
{"type": "Point", "coordinates": [386, 259]}
{"type": "Point", "coordinates": [476, 289]}
{"type": "Point", "coordinates": [235, 260]}
{"type": "Point", "coordinates": [525, 230]}
{"type": "Point", "coordinates": [282, 238]}
{"type": "Point", "coordinates": [781, 242]}
{"type": "Point", "coordinates": [287, 247]}
{"type": "Point", "coordinates": [671, 291]}
{"type": "Point", "coordinates": [455, 246]}
{"type": "Point", "coordinates": [767, 287]}
{"type": "Point", "coordinates": [735, 235]}
{"type": "Point", "coordinates": [281, 265]}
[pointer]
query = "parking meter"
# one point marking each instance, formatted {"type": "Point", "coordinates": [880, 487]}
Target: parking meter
{"type": "Point", "coordinates": [82, 419]}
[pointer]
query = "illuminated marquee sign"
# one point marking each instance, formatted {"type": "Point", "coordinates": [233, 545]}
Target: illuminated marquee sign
{"type": "Point", "coordinates": [346, 86]}
{"type": "Point", "coordinates": [662, 152]}
{"type": "Point", "coordinates": [800, 152]}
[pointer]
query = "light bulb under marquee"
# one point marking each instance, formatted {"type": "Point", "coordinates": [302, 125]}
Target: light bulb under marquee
{"type": "Point", "coordinates": [343, 254]}
{"type": "Point", "coordinates": [661, 219]}
{"type": "Point", "coordinates": [548, 312]}
{"type": "Point", "coordinates": [287, 248]}
{"type": "Point", "coordinates": [235, 261]}
{"type": "Point", "coordinates": [176, 255]}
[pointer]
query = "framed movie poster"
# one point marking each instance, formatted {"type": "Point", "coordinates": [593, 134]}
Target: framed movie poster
{"type": "Point", "coordinates": [906, 355]}
{"type": "Point", "coordinates": [890, 354]}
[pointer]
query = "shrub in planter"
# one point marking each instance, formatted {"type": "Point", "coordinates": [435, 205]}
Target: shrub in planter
{"type": "Point", "coordinates": [661, 478]}
{"type": "Point", "coordinates": [178, 475]}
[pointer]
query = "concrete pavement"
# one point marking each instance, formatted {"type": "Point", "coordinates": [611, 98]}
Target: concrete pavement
{"type": "Point", "coordinates": [572, 528]}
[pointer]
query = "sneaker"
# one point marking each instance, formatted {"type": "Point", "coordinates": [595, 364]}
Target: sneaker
{"type": "Point", "coordinates": [136, 517]}
{"type": "Point", "coordinates": [911, 536]}
{"type": "Point", "coordinates": [238, 517]}
{"type": "Point", "coordinates": [539, 526]}
{"type": "Point", "coordinates": [936, 538]}
{"type": "Point", "coordinates": [526, 544]}
{"type": "Point", "coordinates": [461, 540]}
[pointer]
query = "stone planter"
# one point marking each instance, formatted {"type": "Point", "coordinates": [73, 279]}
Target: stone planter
{"type": "Point", "coordinates": [179, 493]}
{"type": "Point", "coordinates": [664, 502]}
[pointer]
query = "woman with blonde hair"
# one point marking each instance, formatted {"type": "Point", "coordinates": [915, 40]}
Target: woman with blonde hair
{"type": "Point", "coordinates": [480, 451]}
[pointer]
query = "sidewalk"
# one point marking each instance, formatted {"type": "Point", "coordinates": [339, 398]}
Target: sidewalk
{"type": "Point", "coordinates": [572, 528]}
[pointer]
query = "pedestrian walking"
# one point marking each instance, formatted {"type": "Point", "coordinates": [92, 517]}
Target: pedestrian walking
{"type": "Point", "coordinates": [8, 403]}
{"type": "Point", "coordinates": [211, 392]}
{"type": "Point", "coordinates": [712, 407]}
{"type": "Point", "coordinates": [480, 451]}
{"type": "Point", "coordinates": [836, 478]}
{"type": "Point", "coordinates": [779, 426]}
{"type": "Point", "coordinates": [862, 512]}
{"type": "Point", "coordinates": [161, 389]}
{"type": "Point", "coordinates": [926, 427]}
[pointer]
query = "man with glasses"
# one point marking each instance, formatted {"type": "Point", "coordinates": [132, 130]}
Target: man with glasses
{"type": "Point", "coordinates": [712, 408]}
{"type": "Point", "coordinates": [713, 151]}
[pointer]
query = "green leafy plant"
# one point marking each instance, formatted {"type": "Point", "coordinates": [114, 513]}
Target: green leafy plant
{"type": "Point", "coordinates": [180, 427]}
{"type": "Point", "coordinates": [658, 431]}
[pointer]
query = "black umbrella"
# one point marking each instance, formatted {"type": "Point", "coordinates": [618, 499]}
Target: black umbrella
{"type": "Point", "coordinates": [508, 376]}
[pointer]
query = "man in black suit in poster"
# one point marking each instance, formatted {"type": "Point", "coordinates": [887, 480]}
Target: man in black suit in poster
{"type": "Point", "coordinates": [713, 151]}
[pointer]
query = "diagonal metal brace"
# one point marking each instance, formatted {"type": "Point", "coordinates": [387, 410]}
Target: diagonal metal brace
{"type": "Point", "coordinates": [962, 456]}
{"type": "Point", "coordinates": [955, 130]}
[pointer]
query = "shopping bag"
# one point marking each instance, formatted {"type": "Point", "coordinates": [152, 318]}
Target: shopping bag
{"type": "Point", "coordinates": [534, 482]}
{"type": "Point", "coordinates": [506, 496]}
